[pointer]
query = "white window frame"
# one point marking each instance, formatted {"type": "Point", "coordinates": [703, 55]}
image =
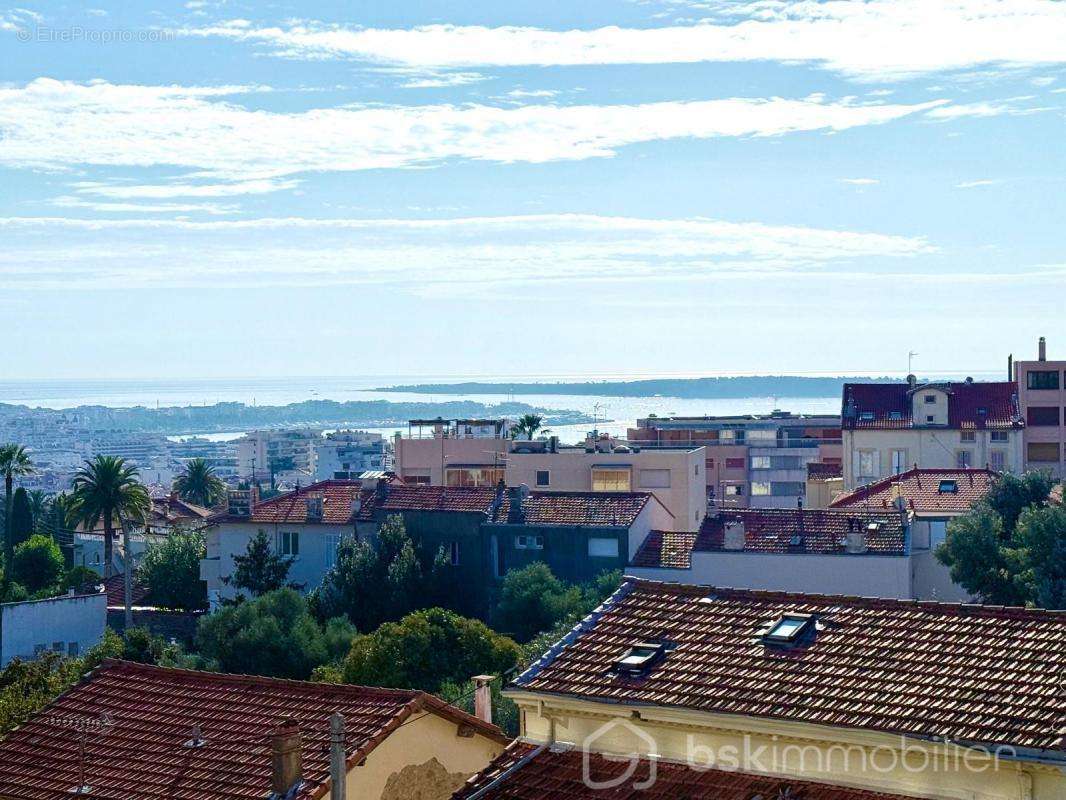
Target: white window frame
{"type": "Point", "coordinates": [529, 541]}
{"type": "Point", "coordinates": [285, 545]}
{"type": "Point", "coordinates": [333, 543]}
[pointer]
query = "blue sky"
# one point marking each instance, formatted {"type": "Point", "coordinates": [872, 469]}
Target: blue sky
{"type": "Point", "coordinates": [214, 189]}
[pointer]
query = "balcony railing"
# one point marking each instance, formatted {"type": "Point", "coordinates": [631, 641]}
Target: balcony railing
{"type": "Point", "coordinates": [767, 443]}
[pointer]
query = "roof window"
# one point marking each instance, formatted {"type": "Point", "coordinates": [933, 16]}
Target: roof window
{"type": "Point", "coordinates": [790, 630]}
{"type": "Point", "coordinates": [639, 659]}
{"type": "Point", "coordinates": [948, 487]}
{"type": "Point", "coordinates": [866, 415]}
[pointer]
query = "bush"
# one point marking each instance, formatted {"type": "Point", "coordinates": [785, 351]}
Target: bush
{"type": "Point", "coordinates": [170, 571]}
{"type": "Point", "coordinates": [427, 650]}
{"type": "Point", "coordinates": [38, 565]}
{"type": "Point", "coordinates": [533, 600]}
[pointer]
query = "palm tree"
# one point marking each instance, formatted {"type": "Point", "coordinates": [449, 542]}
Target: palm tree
{"type": "Point", "coordinates": [14, 463]}
{"type": "Point", "coordinates": [199, 484]}
{"type": "Point", "coordinates": [529, 424]}
{"type": "Point", "coordinates": [105, 490]}
{"type": "Point", "coordinates": [39, 508]}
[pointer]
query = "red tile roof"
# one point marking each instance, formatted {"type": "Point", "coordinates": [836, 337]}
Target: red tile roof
{"type": "Point", "coordinates": [920, 489]}
{"type": "Point", "coordinates": [152, 712]}
{"type": "Point", "coordinates": [666, 549]}
{"type": "Point", "coordinates": [618, 509]}
{"type": "Point", "coordinates": [977, 674]}
{"type": "Point", "coordinates": [559, 773]}
{"type": "Point", "coordinates": [115, 586]}
{"type": "Point", "coordinates": [291, 507]}
{"type": "Point", "coordinates": [820, 470]}
{"type": "Point", "coordinates": [890, 405]}
{"type": "Point", "coordinates": [456, 499]}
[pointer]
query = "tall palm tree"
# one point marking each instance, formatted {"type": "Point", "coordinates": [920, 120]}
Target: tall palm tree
{"type": "Point", "coordinates": [106, 489]}
{"type": "Point", "coordinates": [15, 462]}
{"type": "Point", "coordinates": [199, 484]}
{"type": "Point", "coordinates": [40, 505]}
{"type": "Point", "coordinates": [529, 424]}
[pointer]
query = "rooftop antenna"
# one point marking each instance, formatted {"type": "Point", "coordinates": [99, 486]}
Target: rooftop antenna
{"type": "Point", "coordinates": [910, 362]}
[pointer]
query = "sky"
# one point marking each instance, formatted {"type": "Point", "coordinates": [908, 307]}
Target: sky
{"type": "Point", "coordinates": [662, 187]}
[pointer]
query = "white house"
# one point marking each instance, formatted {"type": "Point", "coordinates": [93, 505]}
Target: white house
{"type": "Point", "coordinates": [68, 624]}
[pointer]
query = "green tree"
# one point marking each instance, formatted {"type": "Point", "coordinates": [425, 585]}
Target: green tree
{"type": "Point", "coordinates": [105, 490]}
{"type": "Point", "coordinates": [15, 462]}
{"type": "Point", "coordinates": [270, 635]}
{"type": "Point", "coordinates": [199, 484]}
{"type": "Point", "coordinates": [528, 424]}
{"type": "Point", "coordinates": [38, 565]}
{"type": "Point", "coordinates": [371, 584]}
{"type": "Point", "coordinates": [428, 649]}
{"type": "Point", "coordinates": [533, 600]}
{"type": "Point", "coordinates": [260, 569]}
{"type": "Point", "coordinates": [980, 563]}
{"type": "Point", "coordinates": [1011, 494]}
{"type": "Point", "coordinates": [1041, 538]}
{"type": "Point", "coordinates": [170, 571]}
{"type": "Point", "coordinates": [40, 506]}
{"type": "Point", "coordinates": [21, 517]}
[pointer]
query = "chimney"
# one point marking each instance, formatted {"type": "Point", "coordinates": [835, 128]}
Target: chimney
{"type": "Point", "coordinates": [357, 502]}
{"type": "Point", "coordinates": [338, 770]}
{"type": "Point", "coordinates": [314, 509]}
{"type": "Point", "coordinates": [734, 536]}
{"type": "Point", "coordinates": [239, 502]}
{"type": "Point", "coordinates": [381, 491]}
{"type": "Point", "coordinates": [1010, 367]}
{"type": "Point", "coordinates": [483, 697]}
{"type": "Point", "coordinates": [516, 514]}
{"type": "Point", "coordinates": [856, 540]}
{"type": "Point", "coordinates": [1041, 349]}
{"type": "Point", "coordinates": [285, 756]}
{"type": "Point", "coordinates": [497, 498]}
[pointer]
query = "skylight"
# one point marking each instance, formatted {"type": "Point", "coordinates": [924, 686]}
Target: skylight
{"type": "Point", "coordinates": [640, 658]}
{"type": "Point", "coordinates": [867, 415]}
{"type": "Point", "coordinates": [949, 487]}
{"type": "Point", "coordinates": [789, 630]}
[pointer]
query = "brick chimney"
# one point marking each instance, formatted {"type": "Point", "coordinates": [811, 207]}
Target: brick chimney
{"type": "Point", "coordinates": [483, 697]}
{"type": "Point", "coordinates": [286, 752]}
{"type": "Point", "coordinates": [516, 514]}
{"type": "Point", "coordinates": [1041, 349]}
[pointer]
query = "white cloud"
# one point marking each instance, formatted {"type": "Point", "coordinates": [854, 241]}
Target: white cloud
{"type": "Point", "coordinates": [975, 184]}
{"type": "Point", "coordinates": [860, 181]}
{"type": "Point", "coordinates": [163, 191]}
{"type": "Point", "coordinates": [67, 201]}
{"type": "Point", "coordinates": [59, 124]}
{"type": "Point", "coordinates": [417, 253]}
{"type": "Point", "coordinates": [873, 40]}
{"type": "Point", "coordinates": [1045, 80]}
{"type": "Point", "coordinates": [986, 109]}
{"type": "Point", "coordinates": [440, 80]}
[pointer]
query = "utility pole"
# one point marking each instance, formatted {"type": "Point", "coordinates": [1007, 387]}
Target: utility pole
{"type": "Point", "coordinates": [910, 362]}
{"type": "Point", "coordinates": [127, 577]}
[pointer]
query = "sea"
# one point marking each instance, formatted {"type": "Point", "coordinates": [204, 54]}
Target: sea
{"type": "Point", "coordinates": [612, 415]}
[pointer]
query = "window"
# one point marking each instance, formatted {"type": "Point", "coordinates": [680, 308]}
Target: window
{"type": "Point", "coordinates": [543, 479]}
{"type": "Point", "coordinates": [655, 479]}
{"type": "Point", "coordinates": [453, 553]}
{"type": "Point", "coordinates": [1042, 452]}
{"type": "Point", "coordinates": [997, 460]}
{"type": "Point", "coordinates": [1042, 379]}
{"type": "Point", "coordinates": [1000, 436]}
{"type": "Point", "coordinates": [333, 541]}
{"type": "Point", "coordinates": [968, 436]}
{"type": "Point", "coordinates": [948, 487]}
{"type": "Point", "coordinates": [289, 543]}
{"type": "Point", "coordinates": [866, 416]}
{"type": "Point", "coordinates": [930, 418]}
{"type": "Point", "coordinates": [606, 479]}
{"type": "Point", "coordinates": [1042, 415]}
{"type": "Point", "coordinates": [760, 462]}
{"type": "Point", "coordinates": [963, 459]}
{"type": "Point", "coordinates": [866, 464]}
{"type": "Point", "coordinates": [938, 532]}
{"type": "Point", "coordinates": [709, 463]}
{"type": "Point", "coordinates": [930, 398]}
{"type": "Point", "coordinates": [640, 658]}
{"type": "Point", "coordinates": [473, 476]}
{"type": "Point", "coordinates": [734, 463]}
{"type": "Point", "coordinates": [789, 630]}
{"type": "Point", "coordinates": [695, 469]}
{"type": "Point", "coordinates": [603, 548]}
{"type": "Point", "coordinates": [788, 488]}
{"type": "Point", "coordinates": [529, 542]}
{"type": "Point", "coordinates": [760, 488]}
{"type": "Point", "coordinates": [734, 491]}
{"type": "Point", "coordinates": [899, 461]}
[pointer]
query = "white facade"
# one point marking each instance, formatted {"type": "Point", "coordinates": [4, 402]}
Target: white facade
{"type": "Point", "coordinates": [315, 545]}
{"type": "Point", "coordinates": [288, 450]}
{"type": "Point", "coordinates": [343, 455]}
{"type": "Point", "coordinates": [69, 624]}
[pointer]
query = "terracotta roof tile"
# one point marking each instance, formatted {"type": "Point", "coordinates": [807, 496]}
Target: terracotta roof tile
{"type": "Point", "coordinates": [616, 509]}
{"type": "Point", "coordinates": [152, 712]}
{"type": "Point", "coordinates": [558, 773]}
{"type": "Point", "coordinates": [666, 549]}
{"type": "Point", "coordinates": [921, 491]}
{"type": "Point", "coordinates": [457, 499]}
{"type": "Point", "coordinates": [979, 674]}
{"type": "Point", "coordinates": [821, 470]}
{"type": "Point", "coordinates": [115, 586]}
{"type": "Point", "coordinates": [970, 405]}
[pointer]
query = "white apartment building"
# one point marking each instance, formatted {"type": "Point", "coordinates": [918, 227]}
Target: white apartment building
{"type": "Point", "coordinates": [288, 452]}
{"type": "Point", "coordinates": [889, 428]}
{"type": "Point", "coordinates": [344, 455]}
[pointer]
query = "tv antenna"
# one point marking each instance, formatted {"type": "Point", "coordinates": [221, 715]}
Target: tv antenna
{"type": "Point", "coordinates": [910, 362]}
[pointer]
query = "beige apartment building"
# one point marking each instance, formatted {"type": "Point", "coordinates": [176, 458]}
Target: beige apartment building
{"type": "Point", "coordinates": [482, 453]}
{"type": "Point", "coordinates": [888, 428]}
{"type": "Point", "coordinates": [1042, 404]}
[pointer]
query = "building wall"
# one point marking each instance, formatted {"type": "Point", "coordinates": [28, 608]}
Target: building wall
{"type": "Point", "coordinates": [1043, 398]}
{"type": "Point", "coordinates": [27, 626]}
{"type": "Point", "coordinates": [425, 460]}
{"type": "Point", "coordinates": [822, 491]}
{"type": "Point", "coordinates": [425, 759]}
{"type": "Point", "coordinates": [231, 538]}
{"type": "Point", "coordinates": [571, 471]}
{"type": "Point", "coordinates": [929, 448]}
{"type": "Point", "coordinates": [862, 759]}
{"type": "Point", "coordinates": [852, 574]}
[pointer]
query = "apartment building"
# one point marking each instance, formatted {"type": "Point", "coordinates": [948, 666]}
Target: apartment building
{"type": "Point", "coordinates": [1042, 404]}
{"type": "Point", "coordinates": [680, 691]}
{"type": "Point", "coordinates": [752, 460]}
{"type": "Point", "coordinates": [282, 452]}
{"type": "Point", "coordinates": [890, 427]}
{"type": "Point", "coordinates": [475, 453]}
{"type": "Point", "coordinates": [343, 455]}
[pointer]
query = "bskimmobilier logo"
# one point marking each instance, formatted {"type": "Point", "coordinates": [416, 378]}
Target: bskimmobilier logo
{"type": "Point", "coordinates": [632, 760]}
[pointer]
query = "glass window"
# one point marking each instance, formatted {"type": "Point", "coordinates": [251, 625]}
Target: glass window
{"type": "Point", "coordinates": [611, 480]}
{"type": "Point", "coordinates": [655, 479]}
{"type": "Point", "coordinates": [473, 476]}
{"type": "Point", "coordinates": [1042, 415]}
{"type": "Point", "coordinates": [997, 459]}
{"type": "Point", "coordinates": [930, 398]}
{"type": "Point", "coordinates": [289, 543]}
{"type": "Point", "coordinates": [963, 459]}
{"type": "Point", "coordinates": [1000, 436]}
{"type": "Point", "coordinates": [734, 490]}
{"type": "Point", "coordinates": [968, 436]}
{"type": "Point", "coordinates": [938, 531]}
{"type": "Point", "coordinates": [1042, 379]}
{"type": "Point", "coordinates": [788, 488]}
{"type": "Point", "coordinates": [543, 478]}
{"type": "Point", "coordinates": [734, 463]}
{"type": "Point", "coordinates": [603, 548]}
{"type": "Point", "coordinates": [866, 464]}
{"type": "Point", "coordinates": [1042, 452]}
{"type": "Point", "coordinates": [529, 542]}
{"type": "Point", "coordinates": [760, 462]}
{"type": "Point", "coordinates": [333, 541]}
{"type": "Point", "coordinates": [899, 461]}
{"type": "Point", "coordinates": [760, 488]}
